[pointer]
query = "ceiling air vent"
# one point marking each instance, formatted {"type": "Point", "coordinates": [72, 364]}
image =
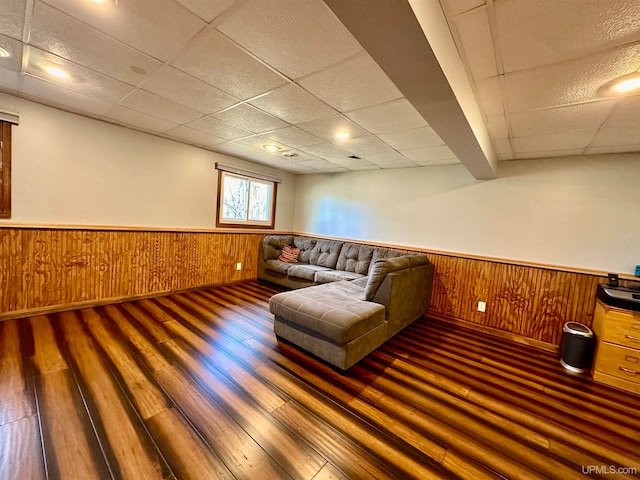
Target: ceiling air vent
{"type": "Point", "coordinates": [289, 156]}
{"type": "Point", "coordinates": [354, 156]}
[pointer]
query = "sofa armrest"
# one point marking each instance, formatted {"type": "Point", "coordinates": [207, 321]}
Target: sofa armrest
{"type": "Point", "coordinates": [406, 294]}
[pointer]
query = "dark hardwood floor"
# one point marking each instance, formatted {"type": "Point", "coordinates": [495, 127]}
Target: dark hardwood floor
{"type": "Point", "coordinates": [194, 385]}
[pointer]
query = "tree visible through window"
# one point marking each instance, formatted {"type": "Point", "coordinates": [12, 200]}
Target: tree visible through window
{"type": "Point", "coordinates": [5, 170]}
{"type": "Point", "coordinates": [243, 200]}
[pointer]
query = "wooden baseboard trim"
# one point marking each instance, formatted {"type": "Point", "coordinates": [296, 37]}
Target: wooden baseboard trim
{"type": "Point", "coordinates": [549, 347]}
{"type": "Point", "coordinates": [33, 312]}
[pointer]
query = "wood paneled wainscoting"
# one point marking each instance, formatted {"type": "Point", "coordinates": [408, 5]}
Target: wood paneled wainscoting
{"type": "Point", "coordinates": [42, 268]}
{"type": "Point", "coordinates": [527, 301]}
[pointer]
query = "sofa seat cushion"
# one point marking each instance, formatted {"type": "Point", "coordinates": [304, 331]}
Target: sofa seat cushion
{"type": "Point", "coordinates": [332, 311]}
{"type": "Point", "coordinates": [277, 266]}
{"type": "Point", "coordinates": [306, 272]}
{"type": "Point", "coordinates": [335, 276]}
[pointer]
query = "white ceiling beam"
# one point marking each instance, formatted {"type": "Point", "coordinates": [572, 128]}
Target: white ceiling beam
{"type": "Point", "coordinates": [390, 32]}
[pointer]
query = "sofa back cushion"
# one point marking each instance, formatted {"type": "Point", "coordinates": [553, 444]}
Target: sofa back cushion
{"type": "Point", "coordinates": [272, 245]}
{"type": "Point", "coordinates": [306, 246]}
{"type": "Point", "coordinates": [354, 258]}
{"type": "Point", "coordinates": [381, 267]}
{"type": "Point", "coordinates": [325, 253]}
{"type": "Point", "coordinates": [381, 252]}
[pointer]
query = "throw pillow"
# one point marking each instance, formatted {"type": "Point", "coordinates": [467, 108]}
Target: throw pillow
{"type": "Point", "coordinates": [289, 254]}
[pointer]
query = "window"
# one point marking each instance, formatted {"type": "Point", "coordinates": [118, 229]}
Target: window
{"type": "Point", "coordinates": [245, 201]}
{"type": "Point", "coordinates": [5, 170]}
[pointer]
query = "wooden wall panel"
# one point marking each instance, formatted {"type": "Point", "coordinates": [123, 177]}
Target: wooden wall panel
{"type": "Point", "coordinates": [528, 301]}
{"type": "Point", "coordinates": [42, 268]}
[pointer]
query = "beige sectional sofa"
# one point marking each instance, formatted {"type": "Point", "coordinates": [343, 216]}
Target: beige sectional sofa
{"type": "Point", "coordinates": [359, 296]}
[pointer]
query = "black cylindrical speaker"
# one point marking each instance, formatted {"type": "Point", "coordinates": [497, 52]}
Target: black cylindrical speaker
{"type": "Point", "coordinates": [578, 344]}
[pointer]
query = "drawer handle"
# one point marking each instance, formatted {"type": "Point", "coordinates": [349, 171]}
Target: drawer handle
{"type": "Point", "coordinates": [627, 370]}
{"type": "Point", "coordinates": [633, 339]}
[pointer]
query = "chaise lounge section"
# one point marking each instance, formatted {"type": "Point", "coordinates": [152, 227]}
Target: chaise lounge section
{"type": "Point", "coordinates": [346, 312]}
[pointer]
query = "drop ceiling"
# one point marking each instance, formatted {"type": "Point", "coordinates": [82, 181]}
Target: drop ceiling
{"type": "Point", "coordinates": [234, 76]}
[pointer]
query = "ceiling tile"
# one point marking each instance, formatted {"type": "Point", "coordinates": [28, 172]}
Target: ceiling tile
{"type": "Point", "coordinates": [214, 59]}
{"type": "Point", "coordinates": [294, 37]}
{"type": "Point", "coordinates": [193, 136]}
{"type": "Point", "coordinates": [139, 120]}
{"type": "Point", "coordinates": [573, 139]}
{"type": "Point", "coordinates": [389, 117]}
{"type": "Point", "coordinates": [497, 126]}
{"type": "Point", "coordinates": [250, 118]}
{"type": "Point", "coordinates": [235, 149]}
{"type": "Point", "coordinates": [10, 80]}
{"type": "Point", "coordinates": [390, 166]}
{"type": "Point", "coordinates": [549, 154]}
{"type": "Point", "coordinates": [294, 137]}
{"type": "Point", "coordinates": [432, 154]}
{"type": "Point", "coordinates": [436, 163]}
{"type": "Point", "coordinates": [575, 117]}
{"type": "Point", "coordinates": [327, 151]}
{"type": "Point", "coordinates": [63, 97]}
{"type": "Point", "coordinates": [293, 104]}
{"type": "Point", "coordinates": [297, 168]}
{"type": "Point", "coordinates": [81, 79]}
{"type": "Point", "coordinates": [318, 164]}
{"type": "Point", "coordinates": [548, 31]}
{"type": "Point", "coordinates": [412, 139]}
{"type": "Point", "coordinates": [355, 83]}
{"type": "Point", "coordinates": [456, 7]}
{"type": "Point", "coordinates": [570, 82]}
{"type": "Point", "coordinates": [159, 28]}
{"type": "Point", "coordinates": [12, 18]}
{"type": "Point", "coordinates": [192, 92]}
{"type": "Point", "coordinates": [503, 147]}
{"type": "Point", "coordinates": [160, 107]}
{"type": "Point", "coordinates": [327, 127]}
{"type": "Point", "coordinates": [475, 34]}
{"type": "Point", "coordinates": [363, 145]}
{"type": "Point", "coordinates": [617, 136]}
{"type": "Point", "coordinates": [351, 163]}
{"type": "Point", "coordinates": [387, 158]}
{"type": "Point", "coordinates": [206, 9]}
{"type": "Point", "coordinates": [600, 149]}
{"type": "Point", "coordinates": [625, 113]}
{"type": "Point", "coordinates": [14, 48]}
{"type": "Point", "coordinates": [258, 142]}
{"type": "Point", "coordinates": [218, 128]}
{"type": "Point", "coordinates": [69, 38]}
{"type": "Point", "coordinates": [489, 93]}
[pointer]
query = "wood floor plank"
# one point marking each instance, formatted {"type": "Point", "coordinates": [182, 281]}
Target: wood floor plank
{"type": "Point", "coordinates": [195, 385]}
{"type": "Point", "coordinates": [16, 396]}
{"type": "Point", "coordinates": [184, 450]}
{"type": "Point", "coordinates": [129, 449]}
{"type": "Point", "coordinates": [21, 450]}
{"type": "Point", "coordinates": [71, 447]}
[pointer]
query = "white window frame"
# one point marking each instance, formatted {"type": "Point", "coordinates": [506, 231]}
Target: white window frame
{"type": "Point", "coordinates": [222, 222]}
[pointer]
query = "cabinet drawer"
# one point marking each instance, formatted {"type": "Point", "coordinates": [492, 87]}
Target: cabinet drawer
{"type": "Point", "coordinates": [619, 362]}
{"type": "Point", "coordinates": [622, 330]}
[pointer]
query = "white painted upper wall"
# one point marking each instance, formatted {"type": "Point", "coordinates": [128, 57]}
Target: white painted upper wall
{"type": "Point", "coordinates": [72, 170]}
{"type": "Point", "coordinates": [579, 212]}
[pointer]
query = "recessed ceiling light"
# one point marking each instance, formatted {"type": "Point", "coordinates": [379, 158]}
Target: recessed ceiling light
{"type": "Point", "coordinates": [56, 71]}
{"type": "Point", "coordinates": [4, 53]}
{"type": "Point", "coordinates": [97, 1]}
{"type": "Point", "coordinates": [625, 84]}
{"type": "Point", "coordinates": [342, 135]}
{"type": "Point", "coordinates": [271, 148]}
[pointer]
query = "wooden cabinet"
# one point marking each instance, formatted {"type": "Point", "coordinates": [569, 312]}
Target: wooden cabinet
{"type": "Point", "coordinates": [617, 360]}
